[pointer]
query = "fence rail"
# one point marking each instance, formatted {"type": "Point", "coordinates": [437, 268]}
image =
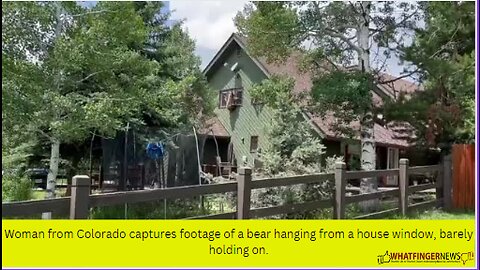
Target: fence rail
{"type": "Point", "coordinates": [79, 203]}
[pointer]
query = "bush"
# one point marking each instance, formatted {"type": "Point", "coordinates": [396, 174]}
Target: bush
{"type": "Point", "coordinates": [330, 163]}
{"type": "Point", "coordinates": [16, 188]}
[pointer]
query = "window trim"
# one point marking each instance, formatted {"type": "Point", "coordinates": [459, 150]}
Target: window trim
{"type": "Point", "coordinates": [227, 91]}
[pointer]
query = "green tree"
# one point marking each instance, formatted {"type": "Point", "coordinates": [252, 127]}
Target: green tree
{"type": "Point", "coordinates": [292, 146]}
{"type": "Point", "coordinates": [334, 35]}
{"type": "Point", "coordinates": [68, 71]}
{"type": "Point", "coordinates": [443, 52]}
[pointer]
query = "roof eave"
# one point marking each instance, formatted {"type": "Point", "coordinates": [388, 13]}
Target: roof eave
{"type": "Point", "coordinates": [218, 55]}
{"type": "Point", "coordinates": [226, 45]}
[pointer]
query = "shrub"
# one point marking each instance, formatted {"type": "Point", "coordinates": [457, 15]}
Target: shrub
{"type": "Point", "coordinates": [330, 163]}
{"type": "Point", "coordinates": [16, 188]}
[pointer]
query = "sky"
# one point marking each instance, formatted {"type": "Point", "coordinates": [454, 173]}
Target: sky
{"type": "Point", "coordinates": [210, 23]}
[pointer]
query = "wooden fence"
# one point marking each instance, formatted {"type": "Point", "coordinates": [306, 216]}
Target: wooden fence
{"type": "Point", "coordinates": [79, 204]}
{"type": "Point", "coordinates": [463, 157]}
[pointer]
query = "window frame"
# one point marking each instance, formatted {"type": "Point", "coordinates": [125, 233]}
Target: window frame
{"type": "Point", "coordinates": [226, 92]}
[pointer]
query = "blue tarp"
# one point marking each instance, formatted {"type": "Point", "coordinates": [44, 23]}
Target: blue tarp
{"type": "Point", "coordinates": [155, 150]}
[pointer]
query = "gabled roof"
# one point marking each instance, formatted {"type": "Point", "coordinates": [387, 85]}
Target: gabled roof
{"type": "Point", "coordinates": [384, 135]}
{"type": "Point", "coordinates": [233, 39]}
{"type": "Point", "coordinates": [213, 127]}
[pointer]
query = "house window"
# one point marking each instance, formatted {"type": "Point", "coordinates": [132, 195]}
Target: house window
{"type": "Point", "coordinates": [253, 144]}
{"type": "Point", "coordinates": [230, 98]}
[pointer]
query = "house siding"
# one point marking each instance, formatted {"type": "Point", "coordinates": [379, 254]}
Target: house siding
{"type": "Point", "coordinates": [247, 120]}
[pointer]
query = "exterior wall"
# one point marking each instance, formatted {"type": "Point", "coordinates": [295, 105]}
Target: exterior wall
{"type": "Point", "coordinates": [247, 120]}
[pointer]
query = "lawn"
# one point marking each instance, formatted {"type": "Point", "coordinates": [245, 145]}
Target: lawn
{"type": "Point", "coordinates": [433, 214]}
{"type": "Point", "coordinates": [440, 214]}
{"type": "Point", "coordinates": [39, 194]}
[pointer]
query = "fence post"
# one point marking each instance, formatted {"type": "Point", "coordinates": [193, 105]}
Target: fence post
{"type": "Point", "coordinates": [403, 183]}
{"type": "Point", "coordinates": [79, 200]}
{"type": "Point", "coordinates": [447, 182]}
{"type": "Point", "coordinates": [244, 190]}
{"type": "Point", "coordinates": [340, 184]}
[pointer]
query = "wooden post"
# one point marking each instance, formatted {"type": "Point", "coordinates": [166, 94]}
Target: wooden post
{"type": "Point", "coordinates": [439, 194]}
{"type": "Point", "coordinates": [447, 182]}
{"type": "Point", "coordinates": [244, 190]}
{"type": "Point", "coordinates": [340, 184]}
{"type": "Point", "coordinates": [403, 183]}
{"type": "Point", "coordinates": [79, 201]}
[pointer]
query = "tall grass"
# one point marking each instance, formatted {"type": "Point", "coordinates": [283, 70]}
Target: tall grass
{"type": "Point", "coordinates": [16, 188]}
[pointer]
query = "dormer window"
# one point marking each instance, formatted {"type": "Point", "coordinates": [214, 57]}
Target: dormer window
{"type": "Point", "coordinates": [231, 98]}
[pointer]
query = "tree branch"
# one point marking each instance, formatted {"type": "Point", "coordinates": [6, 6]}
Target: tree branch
{"type": "Point", "coordinates": [405, 19]}
{"type": "Point", "coordinates": [385, 24]}
{"type": "Point", "coordinates": [399, 78]}
{"type": "Point", "coordinates": [352, 4]}
{"type": "Point", "coordinates": [91, 12]}
{"type": "Point", "coordinates": [89, 76]}
{"type": "Point", "coordinates": [50, 138]}
{"type": "Point", "coordinates": [444, 45]}
{"type": "Point", "coordinates": [343, 38]}
{"type": "Point", "coordinates": [332, 63]}
{"type": "Point", "coordinates": [365, 14]}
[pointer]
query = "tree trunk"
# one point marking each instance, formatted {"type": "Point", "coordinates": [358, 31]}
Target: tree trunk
{"type": "Point", "coordinates": [368, 161]}
{"type": "Point", "coordinates": [52, 173]}
{"type": "Point", "coordinates": [53, 170]}
{"type": "Point", "coordinates": [367, 136]}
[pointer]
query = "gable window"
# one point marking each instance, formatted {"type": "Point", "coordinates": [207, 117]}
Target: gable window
{"type": "Point", "coordinates": [230, 98]}
{"type": "Point", "coordinates": [253, 144]}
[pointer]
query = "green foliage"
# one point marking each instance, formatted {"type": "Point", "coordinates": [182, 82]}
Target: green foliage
{"type": "Point", "coordinates": [16, 187]}
{"type": "Point", "coordinates": [334, 35]}
{"type": "Point", "coordinates": [269, 25]}
{"type": "Point", "coordinates": [274, 29]}
{"type": "Point", "coordinates": [330, 163]}
{"type": "Point", "coordinates": [16, 157]}
{"type": "Point", "coordinates": [292, 146]}
{"type": "Point", "coordinates": [346, 94]}
{"type": "Point", "coordinates": [175, 209]}
{"type": "Point", "coordinates": [276, 92]}
{"type": "Point", "coordinates": [349, 90]}
{"type": "Point", "coordinates": [444, 52]}
{"type": "Point", "coordinates": [69, 71]}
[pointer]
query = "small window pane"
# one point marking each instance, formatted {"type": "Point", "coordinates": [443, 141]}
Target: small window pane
{"type": "Point", "coordinates": [253, 144]}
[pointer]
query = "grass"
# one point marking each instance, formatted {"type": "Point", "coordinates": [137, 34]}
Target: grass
{"type": "Point", "coordinates": [175, 209]}
{"type": "Point", "coordinates": [436, 214]}
{"type": "Point", "coordinates": [354, 210]}
{"type": "Point", "coordinates": [39, 194]}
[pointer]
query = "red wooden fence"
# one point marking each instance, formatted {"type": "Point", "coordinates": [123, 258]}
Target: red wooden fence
{"type": "Point", "coordinates": [463, 160]}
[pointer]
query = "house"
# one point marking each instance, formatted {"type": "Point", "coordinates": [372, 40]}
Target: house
{"type": "Point", "coordinates": [233, 71]}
